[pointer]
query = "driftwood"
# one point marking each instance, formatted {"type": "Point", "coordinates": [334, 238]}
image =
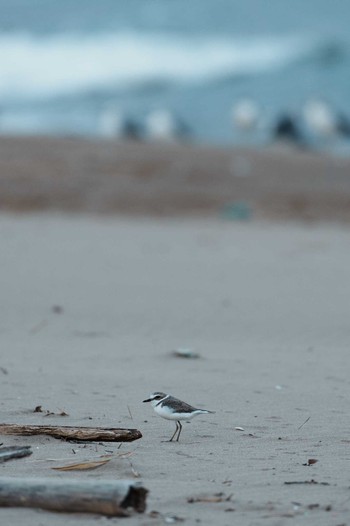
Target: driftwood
{"type": "Point", "coordinates": [7, 453]}
{"type": "Point", "coordinates": [73, 433]}
{"type": "Point", "coordinates": [106, 497]}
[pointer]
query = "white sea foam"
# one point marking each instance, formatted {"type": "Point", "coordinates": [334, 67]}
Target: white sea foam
{"type": "Point", "coordinates": [64, 64]}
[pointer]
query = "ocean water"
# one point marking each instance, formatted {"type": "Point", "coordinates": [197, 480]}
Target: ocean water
{"type": "Point", "coordinates": [64, 64]}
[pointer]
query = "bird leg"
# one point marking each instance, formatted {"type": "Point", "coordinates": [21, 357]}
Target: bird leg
{"type": "Point", "coordinates": [180, 429]}
{"type": "Point", "coordinates": [177, 422]}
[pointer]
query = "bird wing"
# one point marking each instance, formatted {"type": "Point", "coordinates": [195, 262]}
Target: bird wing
{"type": "Point", "coordinates": [179, 406]}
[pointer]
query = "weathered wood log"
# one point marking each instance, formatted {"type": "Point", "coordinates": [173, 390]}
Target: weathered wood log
{"type": "Point", "coordinates": [73, 433]}
{"type": "Point", "coordinates": [7, 453]}
{"type": "Point", "coordinates": [106, 497]}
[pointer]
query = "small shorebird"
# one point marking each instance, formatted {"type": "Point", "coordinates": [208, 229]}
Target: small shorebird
{"type": "Point", "coordinates": [114, 124]}
{"type": "Point", "coordinates": [172, 408]}
{"type": "Point", "coordinates": [287, 130]}
{"type": "Point", "coordinates": [324, 121]}
{"type": "Point", "coordinates": [165, 126]}
{"type": "Point", "coordinates": [245, 115]}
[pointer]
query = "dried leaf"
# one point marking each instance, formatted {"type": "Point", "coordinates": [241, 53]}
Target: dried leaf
{"type": "Point", "coordinates": [38, 327]}
{"type": "Point", "coordinates": [126, 454]}
{"type": "Point", "coordinates": [154, 514]}
{"type": "Point", "coordinates": [239, 428]}
{"type": "Point", "coordinates": [171, 519]}
{"type": "Point", "coordinates": [184, 352]}
{"type": "Point", "coordinates": [39, 409]}
{"type": "Point", "coordinates": [168, 519]}
{"type": "Point", "coordinates": [57, 309]}
{"type": "Point", "coordinates": [84, 465]}
{"type": "Point", "coordinates": [219, 497]}
{"type": "Point", "coordinates": [310, 462]}
{"type": "Point", "coordinates": [123, 455]}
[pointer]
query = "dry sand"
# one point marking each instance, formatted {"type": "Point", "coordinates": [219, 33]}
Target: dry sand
{"type": "Point", "coordinates": [265, 304]}
{"type": "Point", "coordinates": [267, 307]}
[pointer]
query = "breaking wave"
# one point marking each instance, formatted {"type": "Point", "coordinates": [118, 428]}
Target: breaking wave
{"type": "Point", "coordinates": [66, 64]}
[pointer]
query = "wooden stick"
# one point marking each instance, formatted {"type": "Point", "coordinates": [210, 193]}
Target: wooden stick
{"type": "Point", "coordinates": [106, 497]}
{"type": "Point", "coordinates": [73, 433]}
{"type": "Point", "coordinates": [6, 453]}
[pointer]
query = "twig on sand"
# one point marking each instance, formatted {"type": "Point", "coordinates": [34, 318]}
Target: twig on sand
{"type": "Point", "coordinates": [7, 453]}
{"type": "Point", "coordinates": [106, 497]}
{"type": "Point", "coordinates": [308, 418]}
{"type": "Point", "coordinates": [131, 417]}
{"type": "Point", "coordinates": [218, 497]}
{"type": "Point", "coordinates": [38, 327]}
{"type": "Point", "coordinates": [73, 433]}
{"type": "Point", "coordinates": [311, 481]}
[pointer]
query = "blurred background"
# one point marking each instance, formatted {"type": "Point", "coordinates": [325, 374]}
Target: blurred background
{"type": "Point", "coordinates": [213, 71]}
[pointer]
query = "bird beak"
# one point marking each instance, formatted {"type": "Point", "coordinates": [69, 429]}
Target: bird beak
{"type": "Point", "coordinates": [148, 400]}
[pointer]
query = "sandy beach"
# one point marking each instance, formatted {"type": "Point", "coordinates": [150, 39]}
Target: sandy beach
{"type": "Point", "coordinates": [132, 246]}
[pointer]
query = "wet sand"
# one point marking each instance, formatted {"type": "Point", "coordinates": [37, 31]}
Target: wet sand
{"type": "Point", "coordinates": [71, 174]}
{"type": "Point", "coordinates": [264, 303]}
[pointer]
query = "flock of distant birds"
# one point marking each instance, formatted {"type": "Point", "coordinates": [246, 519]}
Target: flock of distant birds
{"type": "Point", "coordinates": [318, 122]}
{"type": "Point", "coordinates": [158, 125]}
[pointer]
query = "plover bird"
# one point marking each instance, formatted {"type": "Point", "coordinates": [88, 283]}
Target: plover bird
{"type": "Point", "coordinates": [172, 408]}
